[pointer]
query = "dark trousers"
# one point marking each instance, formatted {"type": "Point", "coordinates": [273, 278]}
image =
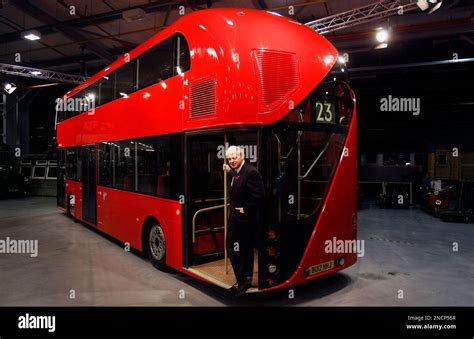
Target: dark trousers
{"type": "Point", "coordinates": [241, 256]}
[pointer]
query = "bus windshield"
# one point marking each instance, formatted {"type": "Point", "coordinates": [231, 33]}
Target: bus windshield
{"type": "Point", "coordinates": [304, 149]}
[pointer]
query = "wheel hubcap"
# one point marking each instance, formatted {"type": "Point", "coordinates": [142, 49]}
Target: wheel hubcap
{"type": "Point", "coordinates": [157, 242]}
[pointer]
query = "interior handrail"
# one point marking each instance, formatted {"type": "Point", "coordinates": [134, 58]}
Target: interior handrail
{"type": "Point", "coordinates": [282, 157]}
{"type": "Point", "coordinates": [206, 209]}
{"type": "Point", "coordinates": [316, 160]}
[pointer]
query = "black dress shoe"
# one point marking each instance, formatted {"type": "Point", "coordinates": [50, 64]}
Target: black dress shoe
{"type": "Point", "coordinates": [242, 288]}
{"type": "Point", "coordinates": [233, 290]}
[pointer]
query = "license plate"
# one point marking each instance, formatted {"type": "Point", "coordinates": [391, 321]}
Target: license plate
{"type": "Point", "coordinates": [319, 268]}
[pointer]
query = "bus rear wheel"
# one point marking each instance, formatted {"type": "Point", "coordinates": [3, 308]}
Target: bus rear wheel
{"type": "Point", "coordinates": [156, 247]}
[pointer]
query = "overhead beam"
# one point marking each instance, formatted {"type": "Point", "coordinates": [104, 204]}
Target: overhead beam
{"type": "Point", "coordinates": [361, 15]}
{"type": "Point", "coordinates": [42, 74]}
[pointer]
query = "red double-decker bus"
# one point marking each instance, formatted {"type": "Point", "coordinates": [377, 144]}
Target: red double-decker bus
{"type": "Point", "coordinates": [144, 163]}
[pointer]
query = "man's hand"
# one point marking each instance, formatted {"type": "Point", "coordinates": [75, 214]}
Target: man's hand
{"type": "Point", "coordinates": [240, 209]}
{"type": "Point", "coordinates": [226, 168]}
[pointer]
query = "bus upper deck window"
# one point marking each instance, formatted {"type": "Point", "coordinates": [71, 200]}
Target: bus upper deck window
{"type": "Point", "coordinates": [183, 60]}
{"type": "Point", "coordinates": [156, 64]}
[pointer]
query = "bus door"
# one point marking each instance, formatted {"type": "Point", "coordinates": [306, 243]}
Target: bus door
{"type": "Point", "coordinates": [61, 180]}
{"type": "Point", "coordinates": [205, 198]}
{"type": "Point", "coordinates": [88, 156]}
{"type": "Point", "coordinates": [205, 186]}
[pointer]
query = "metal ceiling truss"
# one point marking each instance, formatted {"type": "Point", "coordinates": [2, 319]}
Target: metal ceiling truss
{"type": "Point", "coordinates": [361, 15]}
{"type": "Point", "coordinates": [43, 74]}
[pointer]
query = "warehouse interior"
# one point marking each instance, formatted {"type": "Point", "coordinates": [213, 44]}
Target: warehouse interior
{"type": "Point", "coordinates": [415, 157]}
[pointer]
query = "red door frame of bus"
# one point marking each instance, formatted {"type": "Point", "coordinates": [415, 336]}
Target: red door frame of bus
{"type": "Point", "coordinates": [187, 216]}
{"type": "Point", "coordinates": [188, 137]}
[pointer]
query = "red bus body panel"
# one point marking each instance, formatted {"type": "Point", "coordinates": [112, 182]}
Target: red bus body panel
{"type": "Point", "coordinates": [122, 215]}
{"type": "Point", "coordinates": [221, 43]}
{"type": "Point", "coordinates": [337, 216]}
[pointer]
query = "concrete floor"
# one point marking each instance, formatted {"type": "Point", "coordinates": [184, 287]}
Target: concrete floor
{"type": "Point", "coordinates": [405, 250]}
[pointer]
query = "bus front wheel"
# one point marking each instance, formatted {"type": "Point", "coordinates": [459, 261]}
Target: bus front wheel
{"type": "Point", "coordinates": [156, 247]}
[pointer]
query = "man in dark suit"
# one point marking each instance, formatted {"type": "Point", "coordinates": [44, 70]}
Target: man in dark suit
{"type": "Point", "coordinates": [246, 195]}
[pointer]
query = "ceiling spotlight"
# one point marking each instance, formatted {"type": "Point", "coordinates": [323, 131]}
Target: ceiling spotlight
{"type": "Point", "coordinates": [90, 96]}
{"type": "Point", "coordinates": [36, 73]}
{"type": "Point", "coordinates": [341, 59]}
{"type": "Point", "coordinates": [9, 87]}
{"type": "Point", "coordinates": [382, 35]}
{"type": "Point", "coordinates": [423, 4]}
{"type": "Point", "coordinates": [32, 35]}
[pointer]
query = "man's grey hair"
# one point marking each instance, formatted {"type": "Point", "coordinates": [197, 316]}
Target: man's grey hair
{"type": "Point", "coordinates": [234, 151]}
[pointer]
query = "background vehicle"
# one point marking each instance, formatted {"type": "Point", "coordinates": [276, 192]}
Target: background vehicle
{"type": "Point", "coordinates": [461, 206]}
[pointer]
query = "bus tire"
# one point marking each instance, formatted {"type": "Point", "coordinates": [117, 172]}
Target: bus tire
{"type": "Point", "coordinates": [156, 246]}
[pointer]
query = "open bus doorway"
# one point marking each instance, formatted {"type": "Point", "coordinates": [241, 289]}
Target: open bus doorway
{"type": "Point", "coordinates": [205, 222]}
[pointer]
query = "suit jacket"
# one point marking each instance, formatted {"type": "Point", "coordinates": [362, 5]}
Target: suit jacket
{"type": "Point", "coordinates": [247, 191]}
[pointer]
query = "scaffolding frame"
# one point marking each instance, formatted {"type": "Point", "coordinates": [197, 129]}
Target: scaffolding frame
{"type": "Point", "coordinates": [43, 74]}
{"type": "Point", "coordinates": [361, 15]}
